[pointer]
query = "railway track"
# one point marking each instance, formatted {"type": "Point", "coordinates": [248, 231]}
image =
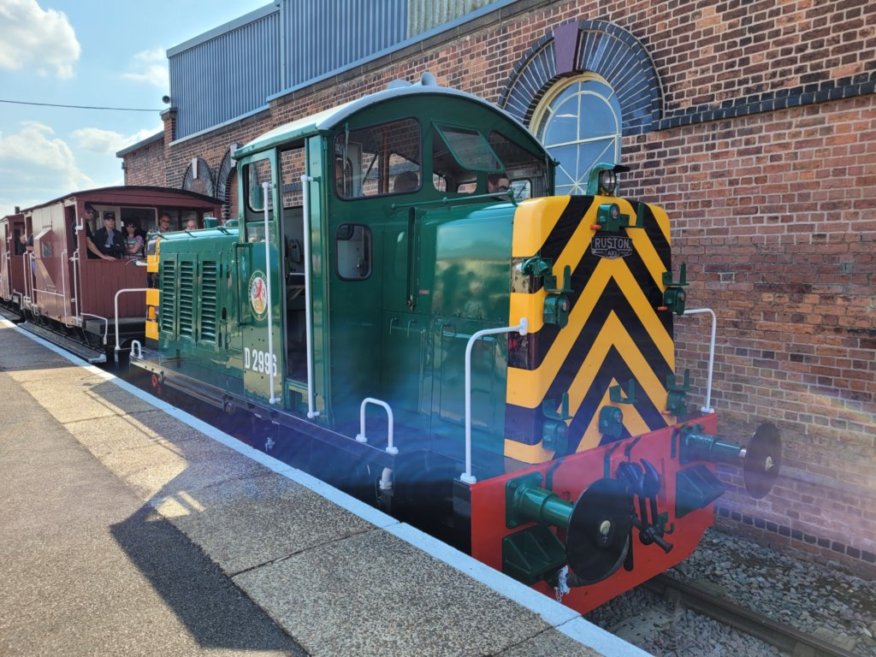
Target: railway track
{"type": "Point", "coordinates": [708, 603]}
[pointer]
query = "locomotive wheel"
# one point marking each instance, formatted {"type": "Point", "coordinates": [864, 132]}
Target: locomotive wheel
{"type": "Point", "coordinates": [598, 538]}
{"type": "Point", "coordinates": [763, 458]}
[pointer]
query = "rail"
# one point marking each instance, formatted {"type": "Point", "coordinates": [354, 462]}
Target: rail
{"type": "Point", "coordinates": [785, 637]}
{"type": "Point", "coordinates": [522, 328]}
{"type": "Point", "coordinates": [362, 438]}
{"type": "Point", "coordinates": [116, 309]}
{"type": "Point", "coordinates": [707, 408]}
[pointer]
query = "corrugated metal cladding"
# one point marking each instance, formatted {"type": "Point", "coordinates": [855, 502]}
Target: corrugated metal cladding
{"type": "Point", "coordinates": [424, 15]}
{"type": "Point", "coordinates": [322, 36]}
{"type": "Point", "coordinates": [226, 76]}
{"type": "Point", "coordinates": [227, 73]}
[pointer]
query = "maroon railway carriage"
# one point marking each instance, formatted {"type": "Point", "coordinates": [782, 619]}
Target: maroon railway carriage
{"type": "Point", "coordinates": [13, 266]}
{"type": "Point", "coordinates": [70, 294]}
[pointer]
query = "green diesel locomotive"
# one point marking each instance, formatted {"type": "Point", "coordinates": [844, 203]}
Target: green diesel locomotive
{"type": "Point", "coordinates": [424, 323]}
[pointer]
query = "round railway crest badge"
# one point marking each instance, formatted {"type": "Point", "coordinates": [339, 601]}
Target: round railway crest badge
{"type": "Point", "coordinates": [258, 294]}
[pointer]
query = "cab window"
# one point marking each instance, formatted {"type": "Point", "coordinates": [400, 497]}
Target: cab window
{"type": "Point", "coordinates": [526, 171]}
{"type": "Point", "coordinates": [458, 156]}
{"type": "Point", "coordinates": [353, 243]}
{"type": "Point", "coordinates": [378, 160]}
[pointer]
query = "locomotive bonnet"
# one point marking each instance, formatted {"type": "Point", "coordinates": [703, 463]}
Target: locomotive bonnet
{"type": "Point", "coordinates": [494, 363]}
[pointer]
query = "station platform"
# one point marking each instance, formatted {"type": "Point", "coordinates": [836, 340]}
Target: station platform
{"type": "Point", "coordinates": [131, 528]}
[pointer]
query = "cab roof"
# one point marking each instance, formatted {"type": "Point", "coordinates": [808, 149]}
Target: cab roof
{"type": "Point", "coordinates": [327, 120]}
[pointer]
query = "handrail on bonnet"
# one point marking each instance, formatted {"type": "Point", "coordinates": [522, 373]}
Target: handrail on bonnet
{"type": "Point", "coordinates": [522, 328]}
{"type": "Point", "coordinates": [116, 307]}
{"type": "Point", "coordinates": [361, 438]}
{"type": "Point", "coordinates": [707, 408]}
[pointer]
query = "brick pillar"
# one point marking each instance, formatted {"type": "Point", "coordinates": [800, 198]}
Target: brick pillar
{"type": "Point", "coordinates": [169, 118]}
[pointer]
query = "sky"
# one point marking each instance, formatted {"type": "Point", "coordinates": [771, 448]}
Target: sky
{"type": "Point", "coordinates": [94, 53]}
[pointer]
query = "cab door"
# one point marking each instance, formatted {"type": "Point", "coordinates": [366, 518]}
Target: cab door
{"type": "Point", "coordinates": [260, 283]}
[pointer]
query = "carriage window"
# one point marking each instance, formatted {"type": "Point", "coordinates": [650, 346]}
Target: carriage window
{"type": "Point", "coordinates": [354, 251]}
{"type": "Point", "coordinates": [382, 159]}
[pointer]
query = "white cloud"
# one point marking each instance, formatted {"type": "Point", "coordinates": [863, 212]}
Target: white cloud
{"type": "Point", "coordinates": [37, 160]}
{"type": "Point", "coordinates": [109, 142]}
{"type": "Point", "coordinates": [149, 66]}
{"type": "Point", "coordinates": [38, 38]}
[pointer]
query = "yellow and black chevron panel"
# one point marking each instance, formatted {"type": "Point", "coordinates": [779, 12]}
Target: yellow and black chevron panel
{"type": "Point", "coordinates": [616, 331]}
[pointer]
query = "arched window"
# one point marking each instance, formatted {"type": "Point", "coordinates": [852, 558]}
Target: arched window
{"type": "Point", "coordinates": [579, 122]}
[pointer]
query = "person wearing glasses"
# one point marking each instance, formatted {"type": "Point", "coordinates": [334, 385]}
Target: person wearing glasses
{"type": "Point", "coordinates": [497, 183]}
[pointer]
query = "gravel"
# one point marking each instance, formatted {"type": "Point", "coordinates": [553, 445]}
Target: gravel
{"type": "Point", "coordinates": [823, 600]}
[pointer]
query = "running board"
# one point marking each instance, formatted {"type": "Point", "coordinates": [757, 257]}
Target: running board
{"type": "Point", "coordinates": [10, 315]}
{"type": "Point", "coordinates": [82, 350]}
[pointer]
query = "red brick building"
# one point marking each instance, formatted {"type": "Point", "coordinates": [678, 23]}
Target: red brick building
{"type": "Point", "coordinates": [754, 124]}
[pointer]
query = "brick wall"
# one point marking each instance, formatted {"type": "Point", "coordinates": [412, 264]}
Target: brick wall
{"type": "Point", "coordinates": [146, 166]}
{"type": "Point", "coordinates": [765, 157]}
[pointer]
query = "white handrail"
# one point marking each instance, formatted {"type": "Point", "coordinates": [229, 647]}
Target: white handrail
{"type": "Point", "coordinates": [697, 311]}
{"type": "Point", "coordinates": [27, 265]}
{"type": "Point", "coordinates": [101, 318]}
{"type": "Point", "coordinates": [116, 307]}
{"type": "Point", "coordinates": [136, 350]}
{"type": "Point", "coordinates": [64, 284]}
{"type": "Point", "coordinates": [75, 299]}
{"type": "Point", "coordinates": [266, 188]}
{"type": "Point", "coordinates": [390, 447]}
{"type": "Point", "coordinates": [522, 328]}
{"type": "Point", "coordinates": [308, 331]}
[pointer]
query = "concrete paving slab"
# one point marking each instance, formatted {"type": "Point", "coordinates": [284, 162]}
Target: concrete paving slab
{"type": "Point", "coordinates": [57, 371]}
{"type": "Point", "coordinates": [135, 431]}
{"type": "Point", "coordinates": [165, 469]}
{"type": "Point", "coordinates": [67, 403]}
{"type": "Point", "coordinates": [549, 644]}
{"type": "Point", "coordinates": [111, 394]}
{"type": "Point", "coordinates": [247, 522]}
{"type": "Point", "coordinates": [314, 593]}
{"type": "Point", "coordinates": [160, 423]}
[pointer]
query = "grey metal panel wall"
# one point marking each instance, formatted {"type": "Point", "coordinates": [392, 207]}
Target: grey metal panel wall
{"type": "Point", "coordinates": [322, 35]}
{"type": "Point", "coordinates": [424, 15]}
{"type": "Point", "coordinates": [226, 76]}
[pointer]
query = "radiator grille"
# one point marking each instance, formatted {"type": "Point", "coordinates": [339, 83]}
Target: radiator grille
{"type": "Point", "coordinates": [168, 296]}
{"type": "Point", "coordinates": [186, 298]}
{"type": "Point", "coordinates": [209, 290]}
